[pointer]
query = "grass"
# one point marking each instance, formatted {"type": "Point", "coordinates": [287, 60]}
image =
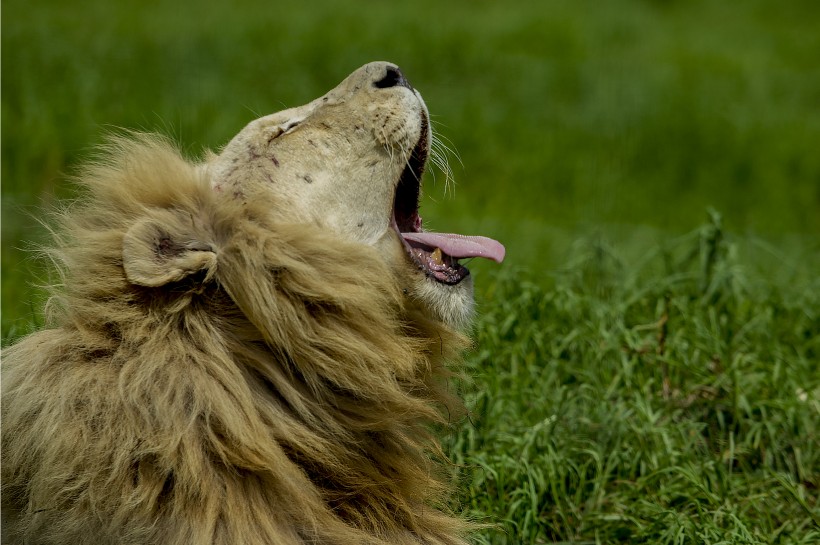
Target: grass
{"type": "Point", "coordinates": [630, 383]}
{"type": "Point", "coordinates": [671, 401]}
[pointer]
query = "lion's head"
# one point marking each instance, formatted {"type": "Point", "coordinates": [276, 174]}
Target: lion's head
{"type": "Point", "coordinates": [352, 161]}
{"type": "Point", "coordinates": [247, 350]}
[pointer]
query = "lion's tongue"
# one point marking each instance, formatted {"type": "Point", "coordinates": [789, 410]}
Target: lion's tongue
{"type": "Point", "coordinates": [460, 246]}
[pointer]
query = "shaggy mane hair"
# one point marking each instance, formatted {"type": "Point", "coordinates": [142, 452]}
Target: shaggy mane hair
{"type": "Point", "coordinates": [212, 377]}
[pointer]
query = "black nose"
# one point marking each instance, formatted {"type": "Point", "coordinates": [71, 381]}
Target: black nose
{"type": "Point", "coordinates": [393, 78]}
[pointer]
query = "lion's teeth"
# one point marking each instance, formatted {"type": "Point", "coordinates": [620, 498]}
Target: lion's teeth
{"type": "Point", "coordinates": [436, 257]}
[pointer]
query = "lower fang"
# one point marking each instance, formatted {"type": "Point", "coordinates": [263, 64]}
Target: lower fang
{"type": "Point", "coordinates": [436, 257]}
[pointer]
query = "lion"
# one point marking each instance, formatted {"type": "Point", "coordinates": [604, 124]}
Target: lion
{"type": "Point", "coordinates": [251, 349]}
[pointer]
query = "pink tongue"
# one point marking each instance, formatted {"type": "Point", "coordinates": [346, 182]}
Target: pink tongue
{"type": "Point", "coordinates": [460, 246]}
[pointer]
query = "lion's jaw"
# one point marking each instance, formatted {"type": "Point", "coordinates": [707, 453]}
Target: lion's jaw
{"type": "Point", "coordinates": [351, 161]}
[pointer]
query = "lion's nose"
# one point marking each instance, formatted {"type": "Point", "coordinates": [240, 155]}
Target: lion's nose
{"type": "Point", "coordinates": [393, 78]}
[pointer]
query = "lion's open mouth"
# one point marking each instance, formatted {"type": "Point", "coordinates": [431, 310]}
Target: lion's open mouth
{"type": "Point", "coordinates": [436, 254]}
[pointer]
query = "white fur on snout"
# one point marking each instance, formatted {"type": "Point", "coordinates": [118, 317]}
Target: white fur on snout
{"type": "Point", "coordinates": [394, 128]}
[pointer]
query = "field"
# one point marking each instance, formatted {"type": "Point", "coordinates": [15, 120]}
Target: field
{"type": "Point", "coordinates": [647, 360]}
{"type": "Point", "coordinates": [671, 400]}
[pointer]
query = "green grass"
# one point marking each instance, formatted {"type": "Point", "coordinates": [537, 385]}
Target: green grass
{"type": "Point", "coordinates": [673, 400]}
{"type": "Point", "coordinates": [630, 383]}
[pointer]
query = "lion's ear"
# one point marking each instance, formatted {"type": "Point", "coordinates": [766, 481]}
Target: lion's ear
{"type": "Point", "coordinates": [152, 256]}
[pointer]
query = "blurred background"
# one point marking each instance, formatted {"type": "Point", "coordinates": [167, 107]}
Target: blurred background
{"type": "Point", "coordinates": [626, 120]}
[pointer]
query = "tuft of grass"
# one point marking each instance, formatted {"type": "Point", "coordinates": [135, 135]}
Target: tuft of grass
{"type": "Point", "coordinates": [670, 400]}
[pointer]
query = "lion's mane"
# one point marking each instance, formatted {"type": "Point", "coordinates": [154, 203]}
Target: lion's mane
{"type": "Point", "coordinates": [209, 376]}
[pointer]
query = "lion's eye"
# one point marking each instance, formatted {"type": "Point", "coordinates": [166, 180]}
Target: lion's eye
{"type": "Point", "coordinates": [271, 133]}
{"type": "Point", "coordinates": [290, 126]}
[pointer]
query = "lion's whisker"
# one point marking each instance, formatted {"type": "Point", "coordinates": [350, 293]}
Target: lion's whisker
{"type": "Point", "coordinates": [439, 153]}
{"type": "Point", "coordinates": [449, 146]}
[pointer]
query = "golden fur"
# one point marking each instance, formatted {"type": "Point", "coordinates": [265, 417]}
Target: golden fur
{"type": "Point", "coordinates": [211, 376]}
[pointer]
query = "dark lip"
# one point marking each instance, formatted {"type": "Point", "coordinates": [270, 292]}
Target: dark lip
{"type": "Point", "coordinates": [408, 190]}
{"type": "Point", "coordinates": [405, 217]}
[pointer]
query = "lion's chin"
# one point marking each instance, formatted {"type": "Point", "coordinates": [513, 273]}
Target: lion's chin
{"type": "Point", "coordinates": [452, 304]}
